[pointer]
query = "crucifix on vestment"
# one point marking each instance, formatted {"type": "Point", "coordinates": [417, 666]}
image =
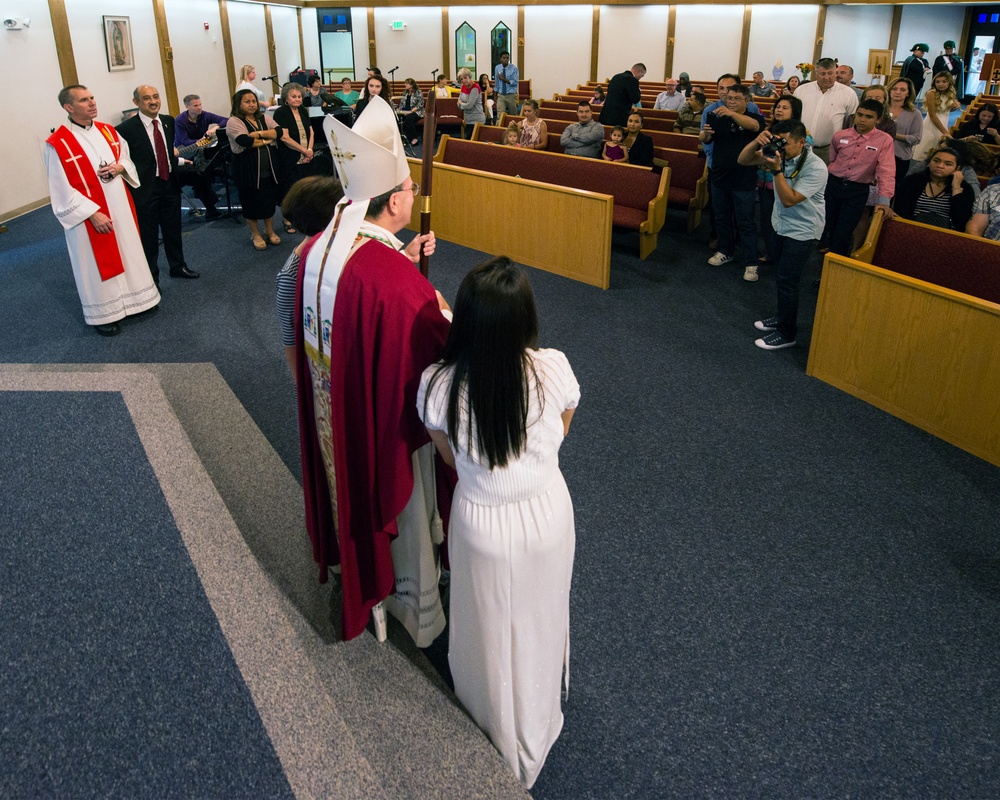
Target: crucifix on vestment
{"type": "Point", "coordinates": [340, 156]}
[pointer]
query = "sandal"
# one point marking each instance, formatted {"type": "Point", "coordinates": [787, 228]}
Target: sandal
{"type": "Point", "coordinates": [258, 243]}
{"type": "Point", "coordinates": [288, 226]}
{"type": "Point", "coordinates": [273, 238]}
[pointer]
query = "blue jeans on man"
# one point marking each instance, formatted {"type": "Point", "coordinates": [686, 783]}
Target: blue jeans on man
{"type": "Point", "coordinates": [734, 210]}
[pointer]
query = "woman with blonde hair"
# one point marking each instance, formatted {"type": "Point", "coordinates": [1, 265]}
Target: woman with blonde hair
{"type": "Point", "coordinates": [902, 95]}
{"type": "Point", "coordinates": [939, 101]}
{"type": "Point", "coordinates": [244, 80]}
{"type": "Point", "coordinates": [534, 131]}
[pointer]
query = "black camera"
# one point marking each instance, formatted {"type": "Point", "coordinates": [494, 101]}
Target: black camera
{"type": "Point", "coordinates": [774, 147]}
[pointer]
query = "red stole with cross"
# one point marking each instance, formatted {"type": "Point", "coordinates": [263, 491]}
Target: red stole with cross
{"type": "Point", "coordinates": [82, 176]}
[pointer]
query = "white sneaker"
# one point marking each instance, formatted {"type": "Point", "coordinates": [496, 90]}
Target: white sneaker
{"type": "Point", "coordinates": [750, 273]}
{"type": "Point", "coordinates": [719, 259]}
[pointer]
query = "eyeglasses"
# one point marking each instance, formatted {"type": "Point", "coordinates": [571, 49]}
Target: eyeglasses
{"type": "Point", "coordinates": [415, 188]}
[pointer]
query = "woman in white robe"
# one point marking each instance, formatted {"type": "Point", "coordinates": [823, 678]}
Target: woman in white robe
{"type": "Point", "coordinates": [511, 538]}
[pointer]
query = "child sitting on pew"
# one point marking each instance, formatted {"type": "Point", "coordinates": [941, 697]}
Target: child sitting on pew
{"type": "Point", "coordinates": [512, 138]}
{"type": "Point", "coordinates": [615, 150]}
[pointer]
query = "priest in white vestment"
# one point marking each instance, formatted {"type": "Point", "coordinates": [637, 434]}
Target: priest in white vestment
{"type": "Point", "coordinates": [87, 163]}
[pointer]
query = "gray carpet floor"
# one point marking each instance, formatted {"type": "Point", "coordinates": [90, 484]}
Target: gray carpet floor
{"type": "Point", "coordinates": [778, 591]}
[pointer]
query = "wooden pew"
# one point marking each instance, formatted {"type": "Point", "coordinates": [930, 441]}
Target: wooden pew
{"type": "Point", "coordinates": [558, 229]}
{"type": "Point", "coordinates": [639, 193]}
{"type": "Point", "coordinates": [677, 141]}
{"type": "Point", "coordinates": [688, 182]}
{"type": "Point", "coordinates": [910, 324]}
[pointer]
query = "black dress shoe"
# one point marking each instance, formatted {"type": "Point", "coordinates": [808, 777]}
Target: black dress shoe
{"type": "Point", "coordinates": [184, 272]}
{"type": "Point", "coordinates": [212, 213]}
{"type": "Point", "coordinates": [111, 329]}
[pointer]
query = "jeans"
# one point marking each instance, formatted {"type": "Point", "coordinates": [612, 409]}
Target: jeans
{"type": "Point", "coordinates": [766, 198]}
{"type": "Point", "coordinates": [730, 207]}
{"type": "Point", "coordinates": [845, 203]}
{"type": "Point", "coordinates": [791, 256]}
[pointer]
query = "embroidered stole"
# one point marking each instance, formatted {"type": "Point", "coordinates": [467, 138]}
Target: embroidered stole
{"type": "Point", "coordinates": [83, 178]}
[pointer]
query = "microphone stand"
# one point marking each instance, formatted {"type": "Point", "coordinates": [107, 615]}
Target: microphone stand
{"type": "Point", "coordinates": [392, 80]}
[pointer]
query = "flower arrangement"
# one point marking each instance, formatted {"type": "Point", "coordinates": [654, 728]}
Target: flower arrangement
{"type": "Point", "coordinates": [805, 68]}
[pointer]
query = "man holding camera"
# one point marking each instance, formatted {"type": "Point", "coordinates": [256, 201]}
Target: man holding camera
{"type": "Point", "coordinates": [800, 178]}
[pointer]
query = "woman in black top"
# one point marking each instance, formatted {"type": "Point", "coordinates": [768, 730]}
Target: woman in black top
{"type": "Point", "coordinates": [984, 127]}
{"type": "Point", "coordinates": [938, 195]}
{"type": "Point", "coordinates": [253, 137]}
{"type": "Point", "coordinates": [295, 152]}
{"type": "Point", "coordinates": [375, 85]}
{"type": "Point", "coordinates": [411, 109]}
{"type": "Point", "coordinates": [640, 146]}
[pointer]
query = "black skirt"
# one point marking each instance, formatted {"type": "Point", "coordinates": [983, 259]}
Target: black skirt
{"type": "Point", "coordinates": [254, 177]}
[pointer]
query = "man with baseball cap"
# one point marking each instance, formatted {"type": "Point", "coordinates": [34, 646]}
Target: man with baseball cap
{"type": "Point", "coordinates": [368, 324]}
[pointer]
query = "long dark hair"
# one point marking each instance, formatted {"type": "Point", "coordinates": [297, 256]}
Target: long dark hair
{"type": "Point", "coordinates": [794, 102]}
{"type": "Point", "coordinates": [384, 93]}
{"type": "Point", "coordinates": [494, 326]}
{"type": "Point", "coordinates": [237, 111]}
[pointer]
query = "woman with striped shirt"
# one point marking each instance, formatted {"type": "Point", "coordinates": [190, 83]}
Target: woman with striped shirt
{"type": "Point", "coordinates": [938, 195]}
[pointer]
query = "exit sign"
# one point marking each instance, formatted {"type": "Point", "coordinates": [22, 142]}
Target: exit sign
{"type": "Point", "coordinates": [398, 25]}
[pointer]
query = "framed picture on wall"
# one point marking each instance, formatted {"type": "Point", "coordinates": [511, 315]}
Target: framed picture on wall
{"type": "Point", "coordinates": [118, 43]}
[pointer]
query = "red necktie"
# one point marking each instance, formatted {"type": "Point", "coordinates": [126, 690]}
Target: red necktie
{"type": "Point", "coordinates": [162, 164]}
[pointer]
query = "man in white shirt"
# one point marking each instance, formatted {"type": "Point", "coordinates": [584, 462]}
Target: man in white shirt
{"type": "Point", "coordinates": [826, 105]}
{"type": "Point", "coordinates": [670, 99]}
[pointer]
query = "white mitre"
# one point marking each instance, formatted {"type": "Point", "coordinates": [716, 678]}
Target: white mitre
{"type": "Point", "coordinates": [369, 157]}
{"type": "Point", "coordinates": [370, 161]}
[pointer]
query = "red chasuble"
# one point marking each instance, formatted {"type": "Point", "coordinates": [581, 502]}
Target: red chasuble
{"type": "Point", "coordinates": [82, 176]}
{"type": "Point", "coordinates": [386, 329]}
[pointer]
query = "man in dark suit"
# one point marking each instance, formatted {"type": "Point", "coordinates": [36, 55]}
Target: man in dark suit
{"type": "Point", "coordinates": [157, 199]}
{"type": "Point", "coordinates": [623, 96]}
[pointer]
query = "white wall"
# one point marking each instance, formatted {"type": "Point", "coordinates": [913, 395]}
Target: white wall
{"type": "Point", "coordinates": [851, 31]}
{"type": "Point", "coordinates": [113, 90]}
{"type": "Point", "coordinates": [628, 35]}
{"type": "Point", "coordinates": [249, 34]}
{"type": "Point", "coordinates": [359, 22]}
{"type": "Point", "coordinates": [780, 32]}
{"type": "Point", "coordinates": [310, 38]}
{"type": "Point", "coordinates": [285, 25]}
{"type": "Point", "coordinates": [556, 47]}
{"type": "Point", "coordinates": [31, 51]}
{"type": "Point", "coordinates": [707, 41]}
{"type": "Point", "coordinates": [199, 58]}
{"type": "Point", "coordinates": [415, 50]}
